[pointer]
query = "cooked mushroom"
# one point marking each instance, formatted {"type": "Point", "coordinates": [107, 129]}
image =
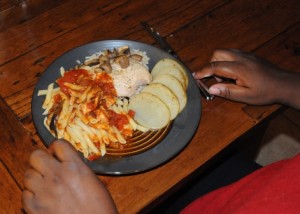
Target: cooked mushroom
{"type": "Point", "coordinates": [103, 59]}
{"type": "Point", "coordinates": [98, 70]}
{"type": "Point", "coordinates": [86, 67]}
{"type": "Point", "coordinates": [106, 67]}
{"type": "Point", "coordinates": [111, 54]}
{"type": "Point", "coordinates": [91, 62]}
{"type": "Point", "coordinates": [136, 57]}
{"type": "Point", "coordinates": [122, 60]}
{"type": "Point", "coordinates": [123, 50]}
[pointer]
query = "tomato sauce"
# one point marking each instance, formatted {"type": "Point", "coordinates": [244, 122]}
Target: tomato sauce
{"type": "Point", "coordinates": [103, 93]}
{"type": "Point", "coordinates": [117, 120]}
{"type": "Point", "coordinates": [105, 82]}
{"type": "Point", "coordinates": [93, 156]}
{"type": "Point", "coordinates": [71, 76]}
{"type": "Point", "coordinates": [131, 113]}
{"type": "Point", "coordinates": [57, 98]}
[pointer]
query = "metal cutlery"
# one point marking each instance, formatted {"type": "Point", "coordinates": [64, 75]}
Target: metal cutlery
{"type": "Point", "coordinates": [165, 46]}
{"type": "Point", "coordinates": [54, 119]}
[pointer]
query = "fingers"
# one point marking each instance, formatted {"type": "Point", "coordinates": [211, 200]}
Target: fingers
{"type": "Point", "coordinates": [42, 162]}
{"type": "Point", "coordinates": [32, 179]}
{"type": "Point", "coordinates": [59, 151]}
{"type": "Point", "coordinates": [222, 64]}
{"type": "Point", "coordinates": [226, 69]}
{"type": "Point", "coordinates": [28, 201]}
{"type": "Point", "coordinates": [226, 55]}
{"type": "Point", "coordinates": [229, 91]}
{"type": "Point", "coordinates": [64, 151]}
{"type": "Point", "coordinates": [47, 172]}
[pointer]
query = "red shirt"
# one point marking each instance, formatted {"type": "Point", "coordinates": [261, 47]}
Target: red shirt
{"type": "Point", "coordinates": [272, 189]}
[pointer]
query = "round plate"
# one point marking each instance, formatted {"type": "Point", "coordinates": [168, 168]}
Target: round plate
{"type": "Point", "coordinates": [179, 135]}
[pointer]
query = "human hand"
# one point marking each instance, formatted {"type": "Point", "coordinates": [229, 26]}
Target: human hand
{"type": "Point", "coordinates": [60, 182]}
{"type": "Point", "coordinates": [254, 80]}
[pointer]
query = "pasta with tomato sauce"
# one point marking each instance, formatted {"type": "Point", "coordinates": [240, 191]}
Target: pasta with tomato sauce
{"type": "Point", "coordinates": [87, 110]}
{"type": "Point", "coordinates": [91, 116]}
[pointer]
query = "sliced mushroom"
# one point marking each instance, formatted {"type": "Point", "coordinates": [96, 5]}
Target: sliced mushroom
{"type": "Point", "coordinates": [98, 70]}
{"type": "Point", "coordinates": [123, 50]}
{"type": "Point", "coordinates": [123, 61]}
{"type": "Point", "coordinates": [91, 62]}
{"type": "Point", "coordinates": [106, 67]}
{"type": "Point", "coordinates": [111, 54]}
{"type": "Point", "coordinates": [136, 57]}
{"type": "Point", "coordinates": [103, 59]}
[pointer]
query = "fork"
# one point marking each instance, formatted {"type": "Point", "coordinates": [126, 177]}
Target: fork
{"type": "Point", "coordinates": [54, 119]}
{"type": "Point", "coordinates": [165, 46]}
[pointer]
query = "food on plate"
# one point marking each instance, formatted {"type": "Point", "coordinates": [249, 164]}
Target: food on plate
{"type": "Point", "coordinates": [101, 102]}
{"type": "Point", "coordinates": [91, 117]}
{"type": "Point", "coordinates": [150, 111]}
{"type": "Point", "coordinates": [127, 67]}
{"type": "Point", "coordinates": [167, 88]}
{"type": "Point", "coordinates": [86, 107]}
{"type": "Point", "coordinates": [128, 80]}
{"type": "Point", "coordinates": [166, 95]}
{"type": "Point", "coordinates": [176, 87]}
{"type": "Point", "coordinates": [171, 67]}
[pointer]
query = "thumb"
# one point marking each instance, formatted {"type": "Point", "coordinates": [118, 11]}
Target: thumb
{"type": "Point", "coordinates": [228, 91]}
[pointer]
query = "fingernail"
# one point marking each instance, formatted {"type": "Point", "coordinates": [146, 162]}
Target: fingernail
{"type": "Point", "coordinates": [194, 73]}
{"type": "Point", "coordinates": [215, 91]}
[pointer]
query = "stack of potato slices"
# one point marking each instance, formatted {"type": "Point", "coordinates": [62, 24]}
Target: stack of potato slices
{"type": "Point", "coordinates": [164, 98]}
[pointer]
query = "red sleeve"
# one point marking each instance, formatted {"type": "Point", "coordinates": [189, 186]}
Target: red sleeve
{"type": "Point", "coordinates": [272, 189]}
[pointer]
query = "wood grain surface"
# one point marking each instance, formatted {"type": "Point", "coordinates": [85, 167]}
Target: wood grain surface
{"type": "Point", "coordinates": [33, 33]}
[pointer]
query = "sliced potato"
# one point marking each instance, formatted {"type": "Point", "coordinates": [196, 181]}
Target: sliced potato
{"type": "Point", "coordinates": [175, 86]}
{"type": "Point", "coordinates": [160, 68]}
{"type": "Point", "coordinates": [166, 95]}
{"type": "Point", "coordinates": [150, 111]}
{"type": "Point", "coordinates": [170, 66]}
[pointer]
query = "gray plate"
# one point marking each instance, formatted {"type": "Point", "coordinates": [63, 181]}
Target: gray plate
{"type": "Point", "coordinates": [183, 128]}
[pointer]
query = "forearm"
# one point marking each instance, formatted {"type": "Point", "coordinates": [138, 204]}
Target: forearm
{"type": "Point", "coordinates": [289, 90]}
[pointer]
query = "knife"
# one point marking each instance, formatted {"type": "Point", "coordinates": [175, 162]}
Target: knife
{"type": "Point", "coordinates": [165, 46]}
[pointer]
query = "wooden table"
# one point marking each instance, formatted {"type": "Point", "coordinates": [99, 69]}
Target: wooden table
{"type": "Point", "coordinates": [33, 33]}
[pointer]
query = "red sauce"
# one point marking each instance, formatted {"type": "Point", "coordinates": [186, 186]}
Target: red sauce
{"type": "Point", "coordinates": [57, 98]}
{"type": "Point", "coordinates": [104, 92]}
{"type": "Point", "coordinates": [117, 120]}
{"type": "Point", "coordinates": [92, 157]}
{"type": "Point", "coordinates": [105, 82]}
{"type": "Point", "coordinates": [91, 106]}
{"type": "Point", "coordinates": [131, 113]}
{"type": "Point", "coordinates": [97, 144]}
{"type": "Point", "coordinates": [71, 76]}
